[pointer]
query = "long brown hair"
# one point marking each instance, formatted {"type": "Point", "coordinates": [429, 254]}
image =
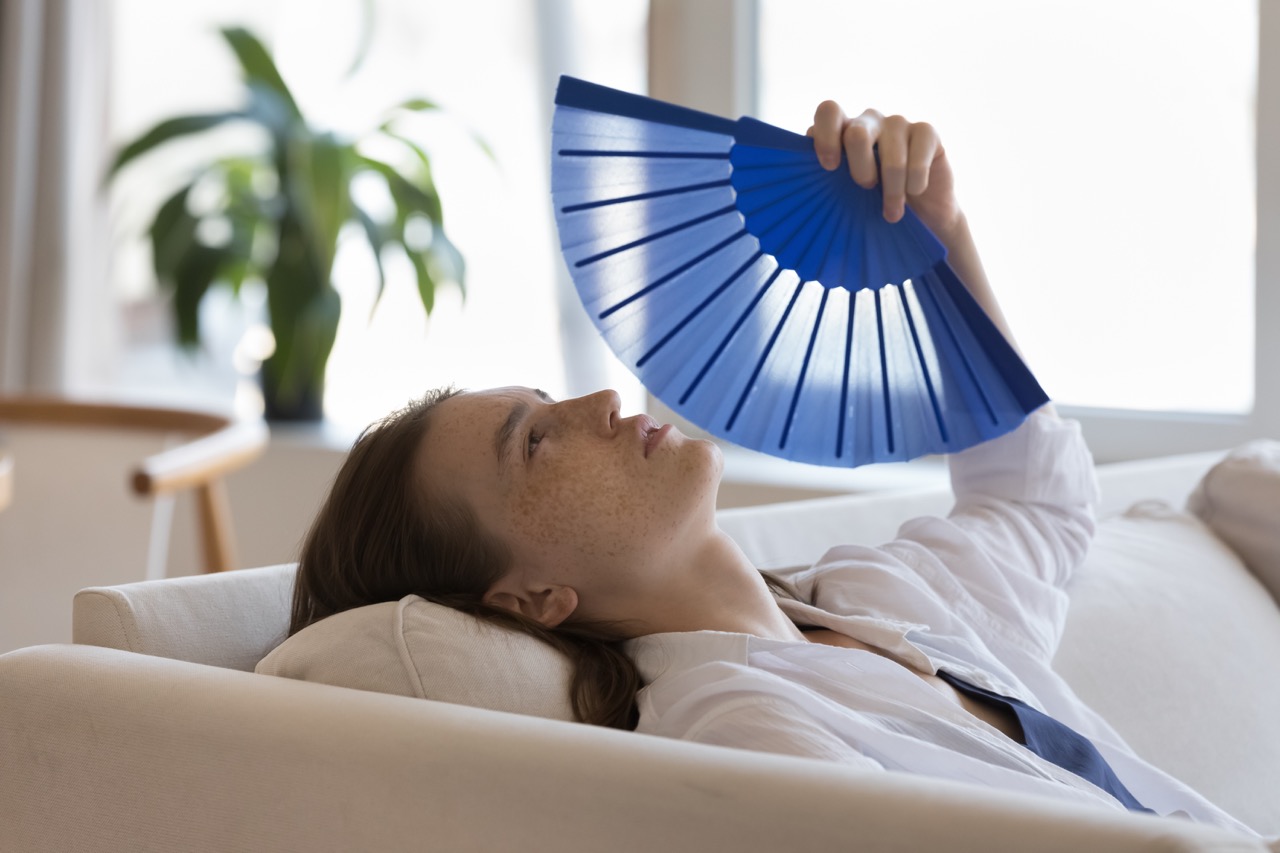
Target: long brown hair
{"type": "Point", "coordinates": [381, 535]}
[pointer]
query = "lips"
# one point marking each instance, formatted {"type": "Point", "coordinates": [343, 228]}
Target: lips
{"type": "Point", "coordinates": [651, 432]}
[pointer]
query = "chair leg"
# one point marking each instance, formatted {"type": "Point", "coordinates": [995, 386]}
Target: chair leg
{"type": "Point", "coordinates": [217, 541]}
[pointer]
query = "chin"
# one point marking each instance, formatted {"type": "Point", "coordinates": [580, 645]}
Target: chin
{"type": "Point", "coordinates": [712, 459]}
{"type": "Point", "coordinates": [709, 457]}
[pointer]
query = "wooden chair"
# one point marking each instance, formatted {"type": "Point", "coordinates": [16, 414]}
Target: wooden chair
{"type": "Point", "coordinates": [216, 446]}
{"type": "Point", "coordinates": [74, 518]}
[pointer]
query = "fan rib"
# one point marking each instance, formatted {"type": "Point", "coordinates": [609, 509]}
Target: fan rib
{"type": "Point", "coordinates": [654, 155]}
{"type": "Point", "coordinates": [590, 205]}
{"type": "Point", "coordinates": [961, 354]}
{"type": "Point", "coordinates": [755, 300]}
{"type": "Point", "coordinates": [807, 271]}
{"type": "Point", "coordinates": [649, 238]}
{"type": "Point", "coordinates": [796, 204]}
{"type": "Point", "coordinates": [745, 188]}
{"type": "Point", "coordinates": [924, 368]}
{"type": "Point", "coordinates": [848, 364]}
{"type": "Point", "coordinates": [647, 289]}
{"type": "Point", "coordinates": [698, 310]}
{"type": "Point", "coordinates": [804, 369]}
{"type": "Point", "coordinates": [884, 375]}
{"type": "Point", "coordinates": [764, 356]}
{"type": "Point", "coordinates": [785, 243]}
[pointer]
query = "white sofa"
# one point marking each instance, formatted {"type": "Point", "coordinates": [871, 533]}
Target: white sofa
{"type": "Point", "coordinates": [153, 733]}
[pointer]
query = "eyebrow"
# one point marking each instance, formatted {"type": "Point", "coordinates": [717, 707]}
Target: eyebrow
{"type": "Point", "coordinates": [503, 446]}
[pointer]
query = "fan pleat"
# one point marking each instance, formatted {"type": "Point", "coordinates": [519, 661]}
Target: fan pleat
{"type": "Point", "coordinates": [587, 205]}
{"type": "Point", "coordinates": [728, 337]}
{"type": "Point", "coordinates": [765, 298]}
{"type": "Point", "coordinates": [804, 370]}
{"type": "Point", "coordinates": [696, 310]}
{"type": "Point", "coordinates": [680, 270]}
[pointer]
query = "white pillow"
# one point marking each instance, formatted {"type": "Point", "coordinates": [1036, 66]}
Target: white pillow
{"type": "Point", "coordinates": [1240, 499]}
{"type": "Point", "coordinates": [413, 647]}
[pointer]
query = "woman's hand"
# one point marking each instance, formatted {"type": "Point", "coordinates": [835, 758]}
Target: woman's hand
{"type": "Point", "coordinates": [913, 164]}
{"type": "Point", "coordinates": [913, 170]}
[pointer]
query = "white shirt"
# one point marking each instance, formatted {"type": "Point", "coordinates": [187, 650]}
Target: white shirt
{"type": "Point", "coordinates": [979, 594]}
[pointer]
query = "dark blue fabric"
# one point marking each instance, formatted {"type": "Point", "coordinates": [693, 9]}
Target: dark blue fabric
{"type": "Point", "coordinates": [1056, 742]}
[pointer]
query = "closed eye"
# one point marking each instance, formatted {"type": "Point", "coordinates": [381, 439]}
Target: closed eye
{"type": "Point", "coordinates": [532, 442]}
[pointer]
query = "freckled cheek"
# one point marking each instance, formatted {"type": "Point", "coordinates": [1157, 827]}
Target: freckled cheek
{"type": "Point", "coordinates": [593, 512]}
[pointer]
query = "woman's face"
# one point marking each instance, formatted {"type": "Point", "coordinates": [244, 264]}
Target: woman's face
{"type": "Point", "coordinates": [582, 496]}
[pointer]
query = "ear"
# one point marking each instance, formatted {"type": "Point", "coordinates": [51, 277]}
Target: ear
{"type": "Point", "coordinates": [547, 603]}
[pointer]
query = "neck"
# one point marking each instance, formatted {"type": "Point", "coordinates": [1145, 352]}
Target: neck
{"type": "Point", "coordinates": [718, 589]}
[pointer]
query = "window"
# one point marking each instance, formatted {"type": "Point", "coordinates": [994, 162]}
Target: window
{"type": "Point", "coordinates": [1104, 155]}
{"type": "Point", "coordinates": [492, 67]}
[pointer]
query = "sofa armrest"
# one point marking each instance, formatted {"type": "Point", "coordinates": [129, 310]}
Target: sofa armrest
{"type": "Point", "coordinates": [228, 619]}
{"type": "Point", "coordinates": [110, 750]}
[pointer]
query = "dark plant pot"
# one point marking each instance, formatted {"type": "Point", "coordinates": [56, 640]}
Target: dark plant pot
{"type": "Point", "coordinates": [307, 404]}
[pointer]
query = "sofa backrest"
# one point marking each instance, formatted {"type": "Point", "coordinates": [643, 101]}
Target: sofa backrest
{"type": "Point", "coordinates": [798, 533]}
{"type": "Point", "coordinates": [230, 620]}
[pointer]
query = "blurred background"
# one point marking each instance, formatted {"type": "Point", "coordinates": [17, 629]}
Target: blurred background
{"type": "Point", "coordinates": [1119, 162]}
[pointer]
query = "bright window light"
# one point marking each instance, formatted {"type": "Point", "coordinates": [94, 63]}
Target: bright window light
{"type": "Point", "coordinates": [1104, 154]}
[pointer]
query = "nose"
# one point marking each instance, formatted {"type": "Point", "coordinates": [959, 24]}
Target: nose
{"type": "Point", "coordinates": [598, 411]}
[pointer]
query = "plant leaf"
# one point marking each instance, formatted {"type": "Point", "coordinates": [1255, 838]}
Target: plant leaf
{"type": "Point", "coordinates": [173, 232]}
{"type": "Point", "coordinates": [409, 197]}
{"type": "Point", "coordinates": [377, 239]}
{"type": "Point", "coordinates": [425, 178]}
{"type": "Point", "coordinates": [365, 39]}
{"type": "Point", "coordinates": [198, 268]}
{"type": "Point", "coordinates": [270, 109]}
{"type": "Point", "coordinates": [484, 146]}
{"type": "Point", "coordinates": [255, 60]}
{"type": "Point", "coordinates": [449, 261]}
{"type": "Point", "coordinates": [426, 284]}
{"type": "Point", "coordinates": [318, 181]}
{"type": "Point", "coordinates": [166, 130]}
{"type": "Point", "coordinates": [417, 105]}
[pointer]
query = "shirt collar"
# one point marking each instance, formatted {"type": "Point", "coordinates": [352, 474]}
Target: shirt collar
{"type": "Point", "coordinates": [678, 651]}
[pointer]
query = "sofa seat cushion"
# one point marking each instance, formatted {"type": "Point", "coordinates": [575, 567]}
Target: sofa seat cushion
{"type": "Point", "coordinates": [413, 647]}
{"type": "Point", "coordinates": [1175, 643]}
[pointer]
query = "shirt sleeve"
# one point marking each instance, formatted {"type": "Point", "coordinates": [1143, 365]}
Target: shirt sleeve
{"type": "Point", "coordinates": [1021, 525]}
{"type": "Point", "coordinates": [772, 724]}
{"type": "Point", "coordinates": [1030, 494]}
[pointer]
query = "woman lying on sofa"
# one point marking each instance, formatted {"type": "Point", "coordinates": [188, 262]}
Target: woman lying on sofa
{"type": "Point", "coordinates": [597, 533]}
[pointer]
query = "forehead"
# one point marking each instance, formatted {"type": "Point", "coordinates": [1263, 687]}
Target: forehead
{"type": "Point", "coordinates": [460, 439]}
{"type": "Point", "coordinates": [474, 406]}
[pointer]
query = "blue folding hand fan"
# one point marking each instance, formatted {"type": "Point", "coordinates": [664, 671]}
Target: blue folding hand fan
{"type": "Point", "coordinates": [766, 299]}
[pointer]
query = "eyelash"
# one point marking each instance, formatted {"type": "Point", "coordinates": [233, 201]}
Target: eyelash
{"type": "Point", "coordinates": [532, 442]}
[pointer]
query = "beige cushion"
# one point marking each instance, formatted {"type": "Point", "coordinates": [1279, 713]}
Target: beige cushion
{"type": "Point", "coordinates": [1175, 643]}
{"type": "Point", "coordinates": [413, 647]}
{"type": "Point", "coordinates": [1240, 499]}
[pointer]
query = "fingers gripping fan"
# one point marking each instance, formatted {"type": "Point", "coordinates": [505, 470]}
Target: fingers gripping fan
{"type": "Point", "coordinates": [766, 299]}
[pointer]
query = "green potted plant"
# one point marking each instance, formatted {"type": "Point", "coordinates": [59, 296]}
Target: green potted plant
{"type": "Point", "coordinates": [277, 219]}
